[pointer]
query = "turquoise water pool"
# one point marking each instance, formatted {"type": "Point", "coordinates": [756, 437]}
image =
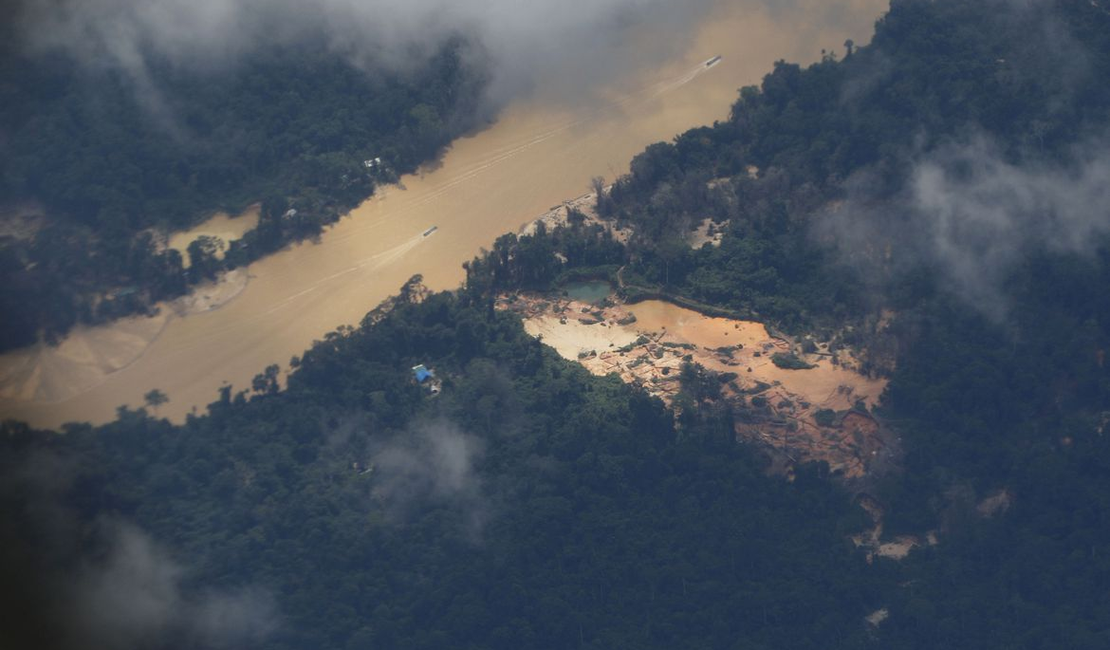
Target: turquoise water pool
{"type": "Point", "coordinates": [593, 291]}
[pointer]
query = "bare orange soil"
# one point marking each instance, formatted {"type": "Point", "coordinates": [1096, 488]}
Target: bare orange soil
{"type": "Point", "coordinates": [647, 343]}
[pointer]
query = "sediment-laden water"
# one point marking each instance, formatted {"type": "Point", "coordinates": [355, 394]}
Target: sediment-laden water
{"type": "Point", "coordinates": [535, 156]}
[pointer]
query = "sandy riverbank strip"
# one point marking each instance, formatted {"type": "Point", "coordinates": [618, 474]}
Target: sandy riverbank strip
{"type": "Point", "coordinates": [586, 205]}
{"type": "Point", "coordinates": [89, 354]}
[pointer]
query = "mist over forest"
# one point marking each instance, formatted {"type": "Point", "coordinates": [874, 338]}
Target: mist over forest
{"type": "Point", "coordinates": [930, 206]}
{"type": "Point", "coordinates": [124, 119]}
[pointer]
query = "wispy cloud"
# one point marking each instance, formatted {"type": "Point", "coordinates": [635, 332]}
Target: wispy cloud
{"type": "Point", "coordinates": [110, 584]}
{"type": "Point", "coordinates": [134, 598]}
{"type": "Point", "coordinates": [433, 463]}
{"type": "Point", "coordinates": [971, 213]}
{"type": "Point", "coordinates": [521, 42]}
{"type": "Point", "coordinates": [983, 212]}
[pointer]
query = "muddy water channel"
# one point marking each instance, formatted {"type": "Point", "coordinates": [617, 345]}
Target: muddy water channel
{"type": "Point", "coordinates": [535, 156]}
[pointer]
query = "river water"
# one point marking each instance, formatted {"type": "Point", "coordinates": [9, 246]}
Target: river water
{"type": "Point", "coordinates": [535, 156]}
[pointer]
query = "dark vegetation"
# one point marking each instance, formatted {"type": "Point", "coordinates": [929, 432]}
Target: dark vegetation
{"type": "Point", "coordinates": [585, 520]}
{"type": "Point", "coordinates": [113, 163]}
{"type": "Point", "coordinates": [588, 517]}
{"type": "Point", "coordinates": [985, 407]}
{"type": "Point", "coordinates": [789, 361]}
{"type": "Point", "coordinates": [1031, 82]}
{"type": "Point", "coordinates": [1016, 405]}
{"type": "Point", "coordinates": [1021, 408]}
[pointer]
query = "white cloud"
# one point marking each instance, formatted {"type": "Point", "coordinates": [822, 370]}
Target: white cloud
{"type": "Point", "coordinates": [434, 462]}
{"type": "Point", "coordinates": [134, 598]}
{"type": "Point", "coordinates": [983, 213]}
{"type": "Point", "coordinates": [524, 40]}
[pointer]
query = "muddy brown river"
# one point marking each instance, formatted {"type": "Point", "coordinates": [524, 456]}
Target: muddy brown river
{"type": "Point", "coordinates": [535, 156]}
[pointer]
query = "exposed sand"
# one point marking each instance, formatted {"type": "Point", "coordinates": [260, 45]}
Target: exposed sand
{"type": "Point", "coordinates": [894, 549]}
{"type": "Point", "coordinates": [650, 352]}
{"type": "Point", "coordinates": [212, 295]}
{"type": "Point", "coordinates": [587, 206]}
{"type": "Point", "coordinates": [690, 326]}
{"type": "Point", "coordinates": [89, 355]}
{"type": "Point", "coordinates": [707, 232]}
{"type": "Point", "coordinates": [876, 617]}
{"type": "Point", "coordinates": [899, 548]}
{"type": "Point", "coordinates": [534, 157]}
{"type": "Point", "coordinates": [572, 337]}
{"type": "Point", "coordinates": [222, 226]}
{"type": "Point", "coordinates": [46, 374]}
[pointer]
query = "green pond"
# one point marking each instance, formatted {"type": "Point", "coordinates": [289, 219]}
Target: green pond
{"type": "Point", "coordinates": [593, 291]}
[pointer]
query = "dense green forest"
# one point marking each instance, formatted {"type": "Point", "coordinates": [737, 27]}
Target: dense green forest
{"type": "Point", "coordinates": [114, 162]}
{"type": "Point", "coordinates": [1012, 403]}
{"type": "Point", "coordinates": [995, 407]}
{"type": "Point", "coordinates": [530, 504]}
{"type": "Point", "coordinates": [935, 74]}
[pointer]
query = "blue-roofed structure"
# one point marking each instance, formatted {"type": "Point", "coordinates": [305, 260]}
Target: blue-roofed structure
{"type": "Point", "coordinates": [426, 379]}
{"type": "Point", "coordinates": [422, 374]}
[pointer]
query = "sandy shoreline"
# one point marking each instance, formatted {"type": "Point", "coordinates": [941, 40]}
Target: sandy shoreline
{"type": "Point", "coordinates": [534, 157]}
{"type": "Point", "coordinates": [48, 374]}
{"type": "Point", "coordinates": [221, 225]}
{"type": "Point", "coordinates": [586, 205]}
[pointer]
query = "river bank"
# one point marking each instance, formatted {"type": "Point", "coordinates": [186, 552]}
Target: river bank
{"type": "Point", "coordinates": [48, 374]}
{"type": "Point", "coordinates": [534, 157]}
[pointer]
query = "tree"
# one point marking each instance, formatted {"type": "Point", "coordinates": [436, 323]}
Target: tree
{"type": "Point", "coordinates": [155, 398]}
{"type": "Point", "coordinates": [671, 250]}
{"type": "Point", "coordinates": [203, 260]}
{"type": "Point", "coordinates": [266, 382]}
{"type": "Point", "coordinates": [597, 185]}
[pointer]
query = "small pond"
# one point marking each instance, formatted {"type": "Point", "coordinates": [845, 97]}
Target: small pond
{"type": "Point", "coordinates": [593, 291]}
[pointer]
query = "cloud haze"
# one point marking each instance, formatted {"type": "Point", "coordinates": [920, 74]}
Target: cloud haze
{"type": "Point", "coordinates": [108, 585]}
{"type": "Point", "coordinates": [972, 214]}
{"type": "Point", "coordinates": [984, 212]}
{"type": "Point", "coordinates": [134, 598]}
{"type": "Point", "coordinates": [433, 463]}
{"type": "Point", "coordinates": [521, 40]}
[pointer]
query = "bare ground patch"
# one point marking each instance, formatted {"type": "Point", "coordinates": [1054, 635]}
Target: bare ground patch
{"type": "Point", "coordinates": [819, 413]}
